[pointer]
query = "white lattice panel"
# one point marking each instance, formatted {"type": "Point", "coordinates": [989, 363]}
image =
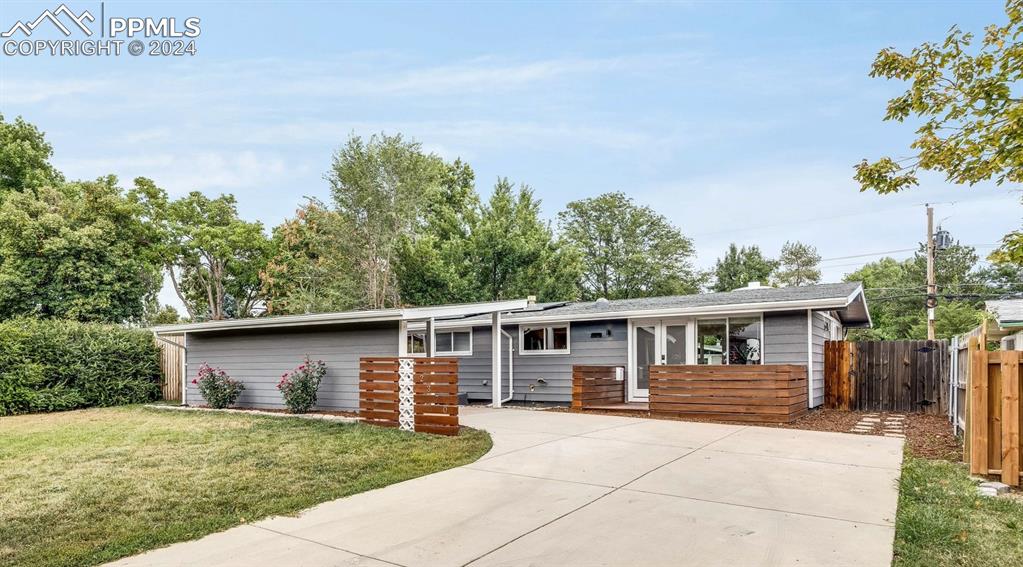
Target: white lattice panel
{"type": "Point", "coordinates": [406, 394]}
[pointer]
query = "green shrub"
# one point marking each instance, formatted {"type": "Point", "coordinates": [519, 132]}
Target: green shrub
{"type": "Point", "coordinates": [217, 388]}
{"type": "Point", "coordinates": [299, 386]}
{"type": "Point", "coordinates": [53, 365]}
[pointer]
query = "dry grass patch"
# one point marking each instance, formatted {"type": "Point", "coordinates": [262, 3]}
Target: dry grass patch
{"type": "Point", "coordinates": [85, 487]}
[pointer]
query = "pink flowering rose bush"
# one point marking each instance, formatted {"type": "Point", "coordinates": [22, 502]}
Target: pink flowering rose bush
{"type": "Point", "coordinates": [299, 386]}
{"type": "Point", "coordinates": [216, 387]}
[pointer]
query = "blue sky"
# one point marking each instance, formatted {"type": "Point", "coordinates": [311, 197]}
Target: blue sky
{"type": "Point", "coordinates": [738, 121]}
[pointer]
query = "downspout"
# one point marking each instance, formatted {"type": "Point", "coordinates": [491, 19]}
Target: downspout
{"type": "Point", "coordinates": [809, 358]}
{"type": "Point", "coordinates": [511, 368]}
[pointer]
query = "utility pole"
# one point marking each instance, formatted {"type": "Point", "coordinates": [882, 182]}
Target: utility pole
{"type": "Point", "coordinates": [932, 288]}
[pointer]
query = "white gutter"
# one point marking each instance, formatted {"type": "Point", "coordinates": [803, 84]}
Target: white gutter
{"type": "Point", "coordinates": [511, 368]}
{"type": "Point", "coordinates": [405, 314]}
{"type": "Point", "coordinates": [731, 309]}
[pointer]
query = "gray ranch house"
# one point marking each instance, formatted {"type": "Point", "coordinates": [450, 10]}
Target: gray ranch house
{"type": "Point", "coordinates": [524, 351]}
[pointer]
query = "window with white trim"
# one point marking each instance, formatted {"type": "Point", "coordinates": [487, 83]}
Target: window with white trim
{"type": "Point", "coordinates": [547, 339]}
{"type": "Point", "coordinates": [454, 343]}
{"type": "Point", "coordinates": [416, 343]}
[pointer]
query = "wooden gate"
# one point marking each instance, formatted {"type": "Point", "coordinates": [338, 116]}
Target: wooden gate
{"type": "Point", "coordinates": [171, 358]}
{"type": "Point", "coordinates": [906, 376]}
{"type": "Point", "coordinates": [994, 416]}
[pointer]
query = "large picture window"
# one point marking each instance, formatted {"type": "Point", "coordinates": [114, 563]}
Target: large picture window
{"type": "Point", "coordinates": [549, 339]}
{"type": "Point", "coordinates": [731, 340]}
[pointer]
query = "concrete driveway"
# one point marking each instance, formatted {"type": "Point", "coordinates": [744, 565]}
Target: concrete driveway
{"type": "Point", "coordinates": [571, 489]}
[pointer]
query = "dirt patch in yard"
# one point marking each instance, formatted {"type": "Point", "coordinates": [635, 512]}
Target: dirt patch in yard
{"type": "Point", "coordinates": [927, 436]}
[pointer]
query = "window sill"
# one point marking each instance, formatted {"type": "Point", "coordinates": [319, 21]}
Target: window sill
{"type": "Point", "coordinates": [544, 352]}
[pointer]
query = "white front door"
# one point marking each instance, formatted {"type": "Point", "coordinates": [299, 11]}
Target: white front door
{"type": "Point", "coordinates": [655, 341]}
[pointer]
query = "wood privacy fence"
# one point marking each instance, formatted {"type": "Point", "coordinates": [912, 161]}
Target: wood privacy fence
{"type": "Point", "coordinates": [994, 417]}
{"type": "Point", "coordinates": [432, 402]}
{"type": "Point", "coordinates": [756, 393]}
{"type": "Point", "coordinates": [887, 376]}
{"type": "Point", "coordinates": [171, 359]}
{"type": "Point", "coordinates": [596, 386]}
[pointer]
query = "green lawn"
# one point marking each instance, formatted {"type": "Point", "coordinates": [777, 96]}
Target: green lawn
{"type": "Point", "coordinates": [85, 487]}
{"type": "Point", "coordinates": [942, 521]}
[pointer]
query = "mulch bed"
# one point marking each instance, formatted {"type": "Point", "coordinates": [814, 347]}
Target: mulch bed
{"type": "Point", "coordinates": [927, 436]}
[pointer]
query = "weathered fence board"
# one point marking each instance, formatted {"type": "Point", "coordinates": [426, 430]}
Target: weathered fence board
{"type": "Point", "coordinates": [435, 393]}
{"type": "Point", "coordinates": [596, 385]}
{"type": "Point", "coordinates": [994, 416]}
{"type": "Point", "coordinates": [171, 357]}
{"type": "Point", "coordinates": [886, 375]}
{"type": "Point", "coordinates": [755, 393]}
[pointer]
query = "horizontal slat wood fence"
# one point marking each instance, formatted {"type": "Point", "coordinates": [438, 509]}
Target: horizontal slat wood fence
{"type": "Point", "coordinates": [994, 416]}
{"type": "Point", "coordinates": [171, 356]}
{"type": "Point", "coordinates": [906, 376]}
{"type": "Point", "coordinates": [436, 395]}
{"type": "Point", "coordinates": [764, 393]}
{"type": "Point", "coordinates": [435, 387]}
{"type": "Point", "coordinates": [595, 386]}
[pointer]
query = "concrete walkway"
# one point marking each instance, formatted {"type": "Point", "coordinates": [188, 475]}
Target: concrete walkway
{"type": "Point", "coordinates": [571, 489]}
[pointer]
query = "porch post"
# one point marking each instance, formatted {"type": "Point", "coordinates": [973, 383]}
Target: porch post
{"type": "Point", "coordinates": [809, 358]}
{"type": "Point", "coordinates": [402, 338]}
{"type": "Point", "coordinates": [495, 361]}
{"type": "Point", "coordinates": [431, 342]}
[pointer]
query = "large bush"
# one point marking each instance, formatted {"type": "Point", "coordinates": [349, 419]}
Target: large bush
{"type": "Point", "coordinates": [52, 365]}
{"type": "Point", "coordinates": [299, 386]}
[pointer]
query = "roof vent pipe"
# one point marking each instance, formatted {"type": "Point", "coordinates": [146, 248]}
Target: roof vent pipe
{"type": "Point", "coordinates": [530, 300]}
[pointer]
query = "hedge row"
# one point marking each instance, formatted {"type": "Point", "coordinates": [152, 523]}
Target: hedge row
{"type": "Point", "coordinates": [53, 365]}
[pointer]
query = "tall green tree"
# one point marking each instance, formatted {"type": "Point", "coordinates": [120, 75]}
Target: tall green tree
{"type": "Point", "coordinates": [628, 250]}
{"type": "Point", "coordinates": [88, 251]}
{"type": "Point", "coordinates": [799, 264]}
{"type": "Point", "coordinates": [433, 264]}
{"type": "Point", "coordinates": [25, 158]}
{"type": "Point", "coordinates": [214, 257]}
{"type": "Point", "coordinates": [514, 253]}
{"type": "Point", "coordinates": [740, 266]}
{"type": "Point", "coordinates": [968, 99]}
{"type": "Point", "coordinates": [312, 267]}
{"type": "Point", "coordinates": [380, 186]}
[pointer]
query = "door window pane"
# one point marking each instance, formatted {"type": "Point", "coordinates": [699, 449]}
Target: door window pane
{"type": "Point", "coordinates": [744, 340]}
{"type": "Point", "coordinates": [710, 341]}
{"type": "Point", "coordinates": [675, 344]}
{"type": "Point", "coordinates": [646, 345]}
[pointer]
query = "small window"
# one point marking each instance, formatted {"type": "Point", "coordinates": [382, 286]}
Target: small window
{"type": "Point", "coordinates": [550, 339]}
{"type": "Point", "coordinates": [416, 343]}
{"type": "Point", "coordinates": [454, 342]}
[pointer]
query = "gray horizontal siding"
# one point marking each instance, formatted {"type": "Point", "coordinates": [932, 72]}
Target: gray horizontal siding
{"type": "Point", "coordinates": [785, 338]}
{"type": "Point", "coordinates": [610, 349]}
{"type": "Point", "coordinates": [259, 359]}
{"type": "Point", "coordinates": [820, 334]}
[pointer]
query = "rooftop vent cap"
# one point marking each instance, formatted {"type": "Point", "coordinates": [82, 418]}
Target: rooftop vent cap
{"type": "Point", "coordinates": [530, 300]}
{"type": "Point", "coordinates": [602, 301]}
{"type": "Point", "coordinates": [752, 285]}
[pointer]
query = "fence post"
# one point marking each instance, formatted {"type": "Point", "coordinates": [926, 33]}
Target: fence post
{"type": "Point", "coordinates": [1010, 417]}
{"type": "Point", "coordinates": [978, 408]}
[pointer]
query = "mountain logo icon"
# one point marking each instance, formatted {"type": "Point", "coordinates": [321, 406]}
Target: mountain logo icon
{"type": "Point", "coordinates": [54, 18]}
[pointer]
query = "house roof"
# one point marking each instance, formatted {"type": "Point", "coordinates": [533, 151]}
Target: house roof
{"type": "Point", "coordinates": [1007, 312]}
{"type": "Point", "coordinates": [846, 298]}
{"type": "Point", "coordinates": [364, 316]}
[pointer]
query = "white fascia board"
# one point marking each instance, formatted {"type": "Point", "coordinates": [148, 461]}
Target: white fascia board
{"type": "Point", "coordinates": [282, 321]}
{"type": "Point", "coordinates": [730, 309]}
{"type": "Point", "coordinates": [462, 310]}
